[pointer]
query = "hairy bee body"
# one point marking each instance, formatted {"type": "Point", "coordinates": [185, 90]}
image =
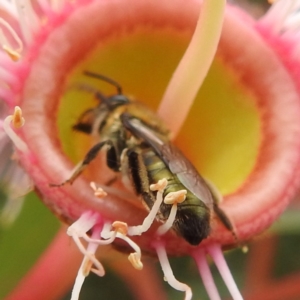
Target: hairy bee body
{"type": "Point", "coordinates": [137, 145]}
{"type": "Point", "coordinates": [193, 216]}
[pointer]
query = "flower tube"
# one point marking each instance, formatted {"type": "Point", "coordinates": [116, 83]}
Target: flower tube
{"type": "Point", "coordinates": [242, 132]}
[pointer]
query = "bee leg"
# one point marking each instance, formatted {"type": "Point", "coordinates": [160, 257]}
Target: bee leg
{"type": "Point", "coordinates": [224, 219]}
{"type": "Point", "coordinates": [217, 198]}
{"type": "Point", "coordinates": [91, 155]}
{"type": "Point", "coordinates": [139, 176]}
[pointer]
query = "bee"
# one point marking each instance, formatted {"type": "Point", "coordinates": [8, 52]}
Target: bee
{"type": "Point", "coordinates": [138, 145]}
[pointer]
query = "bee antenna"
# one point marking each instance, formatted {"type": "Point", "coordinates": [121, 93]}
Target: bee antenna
{"type": "Point", "coordinates": [106, 79]}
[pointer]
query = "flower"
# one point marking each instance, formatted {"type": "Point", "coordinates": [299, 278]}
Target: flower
{"type": "Point", "coordinates": [256, 168]}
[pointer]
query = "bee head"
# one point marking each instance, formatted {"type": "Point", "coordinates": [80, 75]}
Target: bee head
{"type": "Point", "coordinates": [116, 100]}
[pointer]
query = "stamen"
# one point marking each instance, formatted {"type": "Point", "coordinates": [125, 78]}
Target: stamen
{"type": "Point", "coordinates": [17, 121]}
{"type": "Point", "coordinates": [88, 261]}
{"type": "Point", "coordinates": [32, 17]}
{"type": "Point", "coordinates": [106, 232]}
{"type": "Point", "coordinates": [27, 18]}
{"type": "Point", "coordinates": [82, 225]}
{"type": "Point", "coordinates": [175, 197]}
{"type": "Point", "coordinates": [205, 273]}
{"type": "Point", "coordinates": [9, 7]}
{"type": "Point", "coordinates": [85, 252]}
{"type": "Point", "coordinates": [98, 191]}
{"type": "Point", "coordinates": [120, 227]}
{"type": "Point", "coordinates": [168, 274]}
{"type": "Point", "coordinates": [292, 23]}
{"type": "Point", "coordinates": [194, 65]}
{"type": "Point", "coordinates": [86, 222]}
{"type": "Point", "coordinates": [10, 211]}
{"type": "Point", "coordinates": [159, 187]}
{"type": "Point", "coordinates": [17, 184]}
{"type": "Point", "coordinates": [14, 54]}
{"type": "Point", "coordinates": [79, 229]}
{"type": "Point", "coordinates": [171, 198]}
{"type": "Point", "coordinates": [107, 241]}
{"type": "Point", "coordinates": [169, 223]}
{"type": "Point", "coordinates": [245, 249]}
{"type": "Point", "coordinates": [216, 253]}
{"type": "Point", "coordinates": [282, 16]}
{"type": "Point", "coordinates": [86, 266]}
{"type": "Point", "coordinates": [135, 260]}
{"type": "Point", "coordinates": [78, 283]}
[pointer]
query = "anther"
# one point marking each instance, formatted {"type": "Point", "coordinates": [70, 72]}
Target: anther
{"type": "Point", "coordinates": [17, 119]}
{"type": "Point", "coordinates": [172, 198]}
{"type": "Point", "coordinates": [245, 249]}
{"type": "Point", "coordinates": [175, 197]}
{"type": "Point", "coordinates": [120, 227]}
{"type": "Point", "coordinates": [98, 191]}
{"type": "Point", "coordinates": [135, 260]}
{"type": "Point", "coordinates": [160, 185]}
{"type": "Point", "coordinates": [14, 55]}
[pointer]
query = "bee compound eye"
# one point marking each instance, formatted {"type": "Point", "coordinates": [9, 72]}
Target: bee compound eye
{"type": "Point", "coordinates": [118, 100]}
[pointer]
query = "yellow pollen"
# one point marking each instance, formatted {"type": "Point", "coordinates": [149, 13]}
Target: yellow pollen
{"type": "Point", "coordinates": [13, 54]}
{"type": "Point", "coordinates": [17, 119]}
{"type": "Point", "coordinates": [98, 191]}
{"type": "Point", "coordinates": [245, 249]}
{"type": "Point", "coordinates": [135, 260]}
{"type": "Point", "coordinates": [120, 227]}
{"type": "Point", "coordinates": [160, 185]}
{"type": "Point", "coordinates": [175, 197]}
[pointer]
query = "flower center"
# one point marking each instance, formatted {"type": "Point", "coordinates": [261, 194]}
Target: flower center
{"type": "Point", "coordinates": [227, 134]}
{"type": "Point", "coordinates": [213, 136]}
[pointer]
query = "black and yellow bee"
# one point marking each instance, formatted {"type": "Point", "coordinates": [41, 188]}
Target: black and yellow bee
{"type": "Point", "coordinates": [138, 145]}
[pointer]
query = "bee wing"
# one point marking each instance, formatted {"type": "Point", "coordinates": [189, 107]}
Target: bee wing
{"type": "Point", "coordinates": [173, 158]}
